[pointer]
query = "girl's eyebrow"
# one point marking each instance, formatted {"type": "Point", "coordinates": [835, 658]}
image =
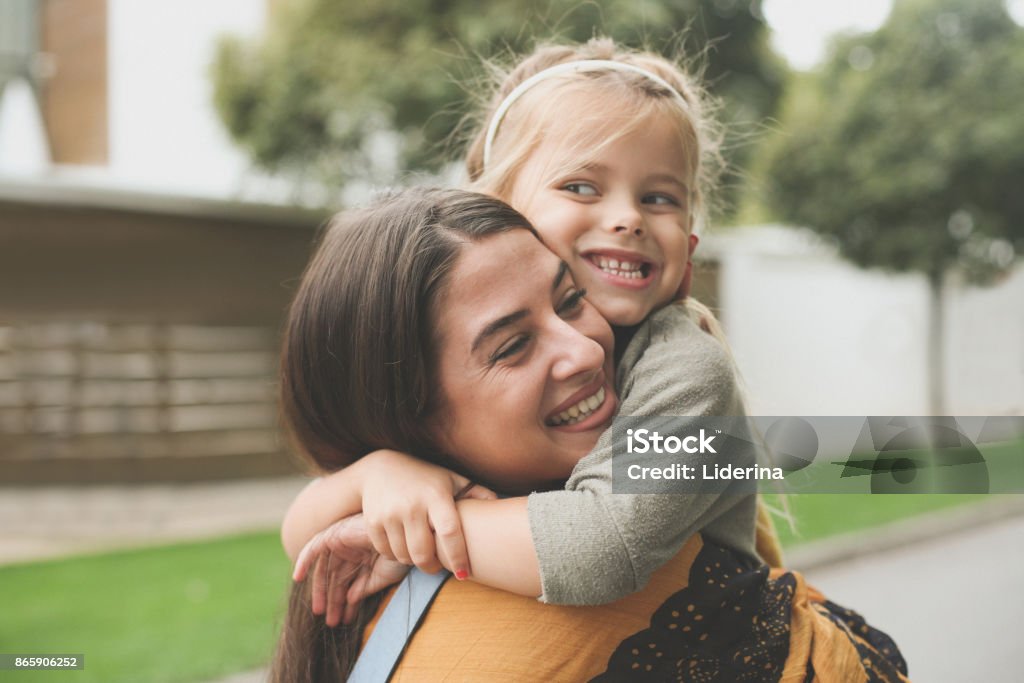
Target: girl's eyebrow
{"type": "Point", "coordinates": [504, 321]}
{"type": "Point", "coordinates": [669, 178]}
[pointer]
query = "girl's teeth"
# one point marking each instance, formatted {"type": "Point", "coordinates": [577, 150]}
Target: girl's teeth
{"type": "Point", "coordinates": [625, 269]}
{"type": "Point", "coordinates": [581, 410]}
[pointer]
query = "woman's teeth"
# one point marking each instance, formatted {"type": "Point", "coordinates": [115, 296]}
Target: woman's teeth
{"type": "Point", "coordinates": [579, 411]}
{"type": "Point", "coordinates": [631, 270]}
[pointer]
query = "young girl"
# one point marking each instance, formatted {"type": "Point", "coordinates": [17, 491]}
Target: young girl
{"type": "Point", "coordinates": [608, 153]}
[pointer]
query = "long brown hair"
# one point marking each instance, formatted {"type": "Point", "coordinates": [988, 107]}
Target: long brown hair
{"type": "Point", "coordinates": [357, 363]}
{"type": "Point", "coordinates": [358, 355]}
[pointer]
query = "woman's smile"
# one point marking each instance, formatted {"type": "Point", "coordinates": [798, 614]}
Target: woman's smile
{"type": "Point", "coordinates": [523, 344]}
{"type": "Point", "coordinates": [585, 410]}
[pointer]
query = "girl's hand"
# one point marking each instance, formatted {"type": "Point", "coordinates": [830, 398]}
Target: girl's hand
{"type": "Point", "coordinates": [346, 569]}
{"type": "Point", "coordinates": [410, 515]}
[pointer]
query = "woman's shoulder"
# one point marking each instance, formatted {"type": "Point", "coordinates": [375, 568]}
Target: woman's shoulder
{"type": "Point", "coordinates": [473, 632]}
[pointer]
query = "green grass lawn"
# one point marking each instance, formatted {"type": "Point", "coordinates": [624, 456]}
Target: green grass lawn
{"type": "Point", "coordinates": [818, 516]}
{"type": "Point", "coordinates": [179, 613]}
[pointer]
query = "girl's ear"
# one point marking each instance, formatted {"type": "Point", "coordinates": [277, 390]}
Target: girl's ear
{"type": "Point", "coordinates": [684, 285]}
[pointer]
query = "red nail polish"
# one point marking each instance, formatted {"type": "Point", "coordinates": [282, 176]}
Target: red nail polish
{"type": "Point", "coordinates": [461, 574]}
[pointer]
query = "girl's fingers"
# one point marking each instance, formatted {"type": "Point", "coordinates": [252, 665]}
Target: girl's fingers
{"type": "Point", "coordinates": [479, 493]}
{"type": "Point", "coordinates": [451, 544]}
{"type": "Point", "coordinates": [379, 539]}
{"type": "Point", "coordinates": [396, 538]}
{"type": "Point", "coordinates": [422, 546]}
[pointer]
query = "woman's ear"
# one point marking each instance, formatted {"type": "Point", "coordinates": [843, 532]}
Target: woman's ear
{"type": "Point", "coordinates": [684, 285]}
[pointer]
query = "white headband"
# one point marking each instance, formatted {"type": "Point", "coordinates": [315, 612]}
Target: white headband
{"type": "Point", "coordinates": [580, 66]}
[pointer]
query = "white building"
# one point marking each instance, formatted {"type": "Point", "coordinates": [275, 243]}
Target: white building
{"type": "Point", "coordinates": [814, 335]}
{"type": "Point", "coordinates": [124, 92]}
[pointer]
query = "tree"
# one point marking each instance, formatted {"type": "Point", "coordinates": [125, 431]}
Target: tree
{"type": "Point", "coordinates": [331, 78]}
{"type": "Point", "coordinates": [907, 149]}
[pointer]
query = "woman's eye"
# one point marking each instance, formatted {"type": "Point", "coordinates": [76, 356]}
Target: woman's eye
{"type": "Point", "coordinates": [572, 302]}
{"type": "Point", "coordinates": [510, 349]}
{"type": "Point", "coordinates": [585, 189]}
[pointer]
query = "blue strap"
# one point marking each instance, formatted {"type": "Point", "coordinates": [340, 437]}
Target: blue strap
{"type": "Point", "coordinates": [403, 614]}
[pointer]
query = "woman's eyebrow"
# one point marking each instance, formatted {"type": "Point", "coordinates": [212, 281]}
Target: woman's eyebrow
{"type": "Point", "coordinates": [504, 321]}
{"type": "Point", "coordinates": [496, 326]}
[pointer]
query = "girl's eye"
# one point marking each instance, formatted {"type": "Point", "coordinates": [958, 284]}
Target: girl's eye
{"type": "Point", "coordinates": [510, 349]}
{"type": "Point", "coordinates": [585, 189]}
{"type": "Point", "coordinates": [572, 302]}
{"type": "Point", "coordinates": [662, 199]}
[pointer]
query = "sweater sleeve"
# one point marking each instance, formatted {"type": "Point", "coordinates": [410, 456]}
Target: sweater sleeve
{"type": "Point", "coordinates": [595, 546]}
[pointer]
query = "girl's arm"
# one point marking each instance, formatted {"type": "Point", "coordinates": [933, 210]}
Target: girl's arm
{"type": "Point", "coordinates": [408, 505]}
{"type": "Point", "coordinates": [500, 545]}
{"type": "Point", "coordinates": [497, 533]}
{"type": "Point", "coordinates": [322, 502]}
{"type": "Point", "coordinates": [344, 570]}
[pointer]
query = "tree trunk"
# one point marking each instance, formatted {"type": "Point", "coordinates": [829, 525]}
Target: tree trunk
{"type": "Point", "coordinates": [936, 344]}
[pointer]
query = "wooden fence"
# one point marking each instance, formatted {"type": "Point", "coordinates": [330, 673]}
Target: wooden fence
{"type": "Point", "coordinates": [122, 395]}
{"type": "Point", "coordinates": [142, 345]}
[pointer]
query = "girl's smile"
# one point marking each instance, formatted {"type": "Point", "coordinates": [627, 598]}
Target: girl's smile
{"type": "Point", "coordinates": [621, 220]}
{"type": "Point", "coordinates": [622, 268]}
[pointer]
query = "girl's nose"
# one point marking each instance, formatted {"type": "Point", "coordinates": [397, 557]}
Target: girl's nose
{"type": "Point", "coordinates": [626, 218]}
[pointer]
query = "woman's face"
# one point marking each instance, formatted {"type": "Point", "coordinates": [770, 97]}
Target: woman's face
{"type": "Point", "coordinates": [525, 364]}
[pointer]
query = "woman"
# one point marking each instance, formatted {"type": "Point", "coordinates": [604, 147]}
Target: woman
{"type": "Point", "coordinates": [395, 341]}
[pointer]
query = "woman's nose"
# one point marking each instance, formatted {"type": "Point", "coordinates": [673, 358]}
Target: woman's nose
{"type": "Point", "coordinates": [575, 353]}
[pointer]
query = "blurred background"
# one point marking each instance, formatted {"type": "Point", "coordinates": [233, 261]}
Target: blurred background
{"type": "Point", "coordinates": [164, 168]}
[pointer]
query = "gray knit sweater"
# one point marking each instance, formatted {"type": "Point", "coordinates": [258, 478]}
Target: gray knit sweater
{"type": "Point", "coordinates": [595, 546]}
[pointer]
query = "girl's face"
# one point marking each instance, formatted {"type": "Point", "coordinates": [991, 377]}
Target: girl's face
{"type": "Point", "coordinates": [525, 366]}
{"type": "Point", "coordinates": [621, 222]}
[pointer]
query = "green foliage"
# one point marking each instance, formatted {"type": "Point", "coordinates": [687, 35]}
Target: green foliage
{"type": "Point", "coordinates": [331, 78]}
{"type": "Point", "coordinates": [907, 148]}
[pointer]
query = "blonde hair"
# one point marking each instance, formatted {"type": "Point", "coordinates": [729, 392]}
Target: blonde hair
{"type": "Point", "coordinates": [631, 99]}
{"type": "Point", "coordinates": [623, 100]}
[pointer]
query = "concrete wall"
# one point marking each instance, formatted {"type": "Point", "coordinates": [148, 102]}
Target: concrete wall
{"type": "Point", "coordinates": [814, 335]}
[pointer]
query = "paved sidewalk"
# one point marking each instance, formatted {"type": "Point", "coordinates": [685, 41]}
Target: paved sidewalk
{"type": "Point", "coordinates": [953, 603]}
{"type": "Point", "coordinates": [38, 523]}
